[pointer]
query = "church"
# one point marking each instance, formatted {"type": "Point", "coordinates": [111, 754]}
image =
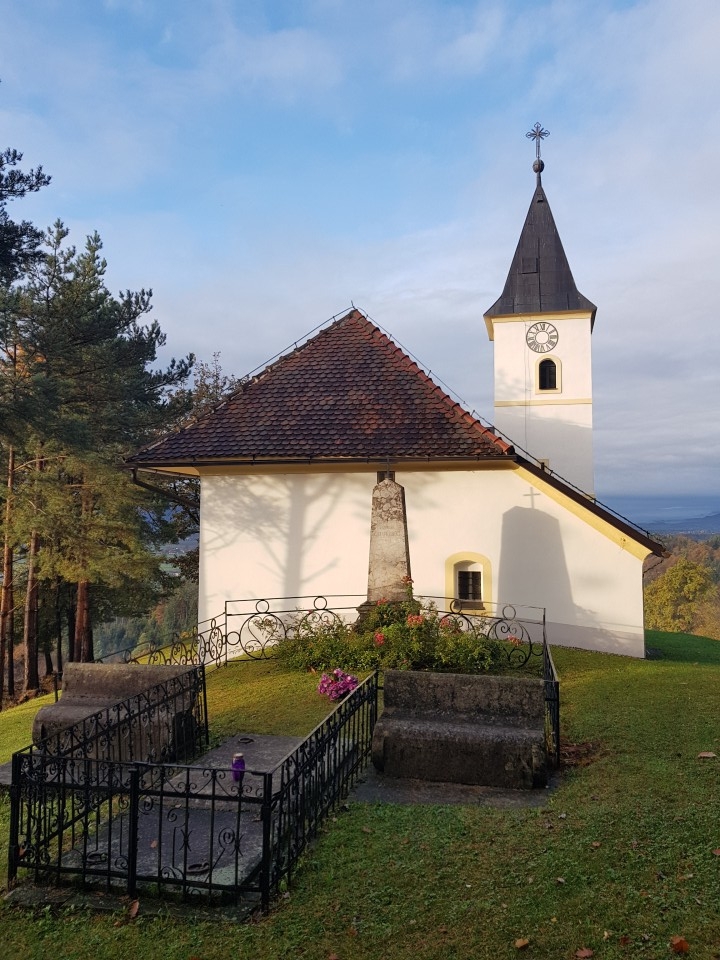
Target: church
{"type": "Point", "coordinates": [494, 516]}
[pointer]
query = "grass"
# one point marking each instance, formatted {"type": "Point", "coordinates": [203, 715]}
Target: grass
{"type": "Point", "coordinates": [16, 725]}
{"type": "Point", "coordinates": [619, 859]}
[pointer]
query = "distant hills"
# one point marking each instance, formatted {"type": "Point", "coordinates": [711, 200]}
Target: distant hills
{"type": "Point", "coordinates": [697, 517]}
{"type": "Point", "coordinates": [694, 526]}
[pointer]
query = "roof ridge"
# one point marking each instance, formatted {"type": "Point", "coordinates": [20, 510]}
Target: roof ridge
{"type": "Point", "coordinates": [454, 404]}
{"type": "Point", "coordinates": [350, 391]}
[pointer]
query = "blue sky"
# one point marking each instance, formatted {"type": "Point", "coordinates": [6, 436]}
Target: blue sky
{"type": "Point", "coordinates": [261, 164]}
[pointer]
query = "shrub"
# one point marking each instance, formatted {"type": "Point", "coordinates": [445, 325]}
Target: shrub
{"type": "Point", "coordinates": [400, 636]}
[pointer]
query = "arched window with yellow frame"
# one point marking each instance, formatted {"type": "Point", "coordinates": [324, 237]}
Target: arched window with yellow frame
{"type": "Point", "coordinates": [468, 580]}
{"type": "Point", "coordinates": [547, 379]}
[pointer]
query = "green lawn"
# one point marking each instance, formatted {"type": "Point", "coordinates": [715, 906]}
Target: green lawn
{"type": "Point", "coordinates": [619, 859]}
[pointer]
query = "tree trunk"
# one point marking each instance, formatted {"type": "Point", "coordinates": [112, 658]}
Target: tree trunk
{"type": "Point", "coordinates": [30, 632]}
{"type": "Point", "coordinates": [7, 595]}
{"type": "Point", "coordinates": [58, 626]}
{"type": "Point", "coordinates": [71, 609]}
{"type": "Point", "coordinates": [83, 630]}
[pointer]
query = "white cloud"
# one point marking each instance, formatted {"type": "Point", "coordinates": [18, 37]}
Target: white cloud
{"type": "Point", "coordinates": [260, 171]}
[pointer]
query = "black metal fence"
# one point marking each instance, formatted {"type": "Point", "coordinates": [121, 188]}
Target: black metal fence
{"type": "Point", "coordinates": [252, 629]}
{"type": "Point", "coordinates": [64, 782]}
{"type": "Point", "coordinates": [167, 721]}
{"type": "Point", "coordinates": [193, 830]}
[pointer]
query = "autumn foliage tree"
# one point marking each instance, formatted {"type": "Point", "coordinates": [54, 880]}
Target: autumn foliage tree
{"type": "Point", "coordinates": [673, 599]}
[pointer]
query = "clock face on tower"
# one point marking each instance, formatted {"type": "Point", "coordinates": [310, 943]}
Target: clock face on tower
{"type": "Point", "coordinates": [542, 337]}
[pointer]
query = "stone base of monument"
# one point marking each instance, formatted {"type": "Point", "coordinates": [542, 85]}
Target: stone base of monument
{"type": "Point", "coordinates": [457, 728]}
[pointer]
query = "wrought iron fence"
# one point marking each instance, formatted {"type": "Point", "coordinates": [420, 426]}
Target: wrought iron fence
{"type": "Point", "coordinates": [64, 782]}
{"type": "Point", "coordinates": [252, 629]}
{"type": "Point", "coordinates": [197, 831]}
{"type": "Point", "coordinates": [167, 721]}
{"type": "Point", "coordinates": [552, 706]}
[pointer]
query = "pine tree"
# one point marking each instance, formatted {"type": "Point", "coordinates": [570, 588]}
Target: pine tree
{"type": "Point", "coordinates": [92, 396]}
{"type": "Point", "coordinates": [19, 248]}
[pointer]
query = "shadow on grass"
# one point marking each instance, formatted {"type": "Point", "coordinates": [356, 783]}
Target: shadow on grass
{"type": "Point", "coordinates": [682, 647]}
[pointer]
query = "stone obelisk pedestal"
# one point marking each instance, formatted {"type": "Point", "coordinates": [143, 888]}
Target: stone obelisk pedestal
{"type": "Point", "coordinates": [389, 566]}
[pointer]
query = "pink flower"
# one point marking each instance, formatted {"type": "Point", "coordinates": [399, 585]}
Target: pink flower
{"type": "Point", "coordinates": [381, 602]}
{"type": "Point", "coordinates": [337, 684]}
{"type": "Point", "coordinates": [379, 639]}
{"type": "Point", "coordinates": [415, 619]}
{"type": "Point", "coordinates": [516, 641]}
{"type": "Point", "coordinates": [407, 579]}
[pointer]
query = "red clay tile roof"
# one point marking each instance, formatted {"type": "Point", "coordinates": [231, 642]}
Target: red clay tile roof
{"type": "Point", "coordinates": [349, 393]}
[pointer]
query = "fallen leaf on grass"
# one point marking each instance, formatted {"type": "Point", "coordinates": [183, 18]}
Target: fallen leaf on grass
{"type": "Point", "coordinates": [583, 953]}
{"type": "Point", "coordinates": [606, 935]}
{"type": "Point", "coordinates": [706, 755]}
{"type": "Point", "coordinates": [679, 945]}
{"type": "Point", "coordinates": [333, 956]}
{"type": "Point", "coordinates": [596, 844]}
{"type": "Point", "coordinates": [624, 940]}
{"type": "Point", "coordinates": [559, 879]}
{"type": "Point", "coordinates": [717, 852]}
{"type": "Point", "coordinates": [366, 830]}
{"type": "Point", "coordinates": [133, 909]}
{"type": "Point", "coordinates": [522, 943]}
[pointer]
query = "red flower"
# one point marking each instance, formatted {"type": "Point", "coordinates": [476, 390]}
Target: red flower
{"type": "Point", "coordinates": [379, 639]}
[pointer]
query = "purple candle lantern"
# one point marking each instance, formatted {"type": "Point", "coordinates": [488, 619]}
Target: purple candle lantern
{"type": "Point", "coordinates": [238, 767]}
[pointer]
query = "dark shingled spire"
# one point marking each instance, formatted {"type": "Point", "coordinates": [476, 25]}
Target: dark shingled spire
{"type": "Point", "coordinates": [540, 280]}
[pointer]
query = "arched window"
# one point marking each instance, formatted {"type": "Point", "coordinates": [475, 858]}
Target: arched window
{"type": "Point", "coordinates": [547, 375]}
{"type": "Point", "coordinates": [468, 580]}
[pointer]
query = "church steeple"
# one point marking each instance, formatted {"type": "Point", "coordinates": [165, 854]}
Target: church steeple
{"type": "Point", "coordinates": [541, 325]}
{"type": "Point", "coordinates": [540, 279]}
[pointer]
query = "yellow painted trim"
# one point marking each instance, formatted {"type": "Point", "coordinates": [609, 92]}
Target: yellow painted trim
{"type": "Point", "coordinates": [558, 375]}
{"type": "Point", "coordinates": [548, 317]}
{"type": "Point", "coordinates": [468, 556]}
{"type": "Point", "coordinates": [549, 401]}
{"type": "Point", "coordinates": [597, 523]}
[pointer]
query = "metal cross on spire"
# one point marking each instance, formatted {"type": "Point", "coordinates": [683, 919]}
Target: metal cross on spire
{"type": "Point", "coordinates": [538, 134]}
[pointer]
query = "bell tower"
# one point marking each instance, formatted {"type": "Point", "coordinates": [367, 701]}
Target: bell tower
{"type": "Point", "coordinates": [541, 326]}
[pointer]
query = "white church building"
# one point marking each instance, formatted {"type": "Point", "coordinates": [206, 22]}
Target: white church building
{"type": "Point", "coordinates": [289, 461]}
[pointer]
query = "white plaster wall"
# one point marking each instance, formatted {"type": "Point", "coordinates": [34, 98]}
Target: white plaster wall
{"type": "Point", "coordinates": [541, 554]}
{"type": "Point", "coordinates": [283, 535]}
{"type": "Point", "coordinates": [549, 425]}
{"type": "Point", "coordinates": [562, 435]}
{"type": "Point", "coordinates": [515, 361]}
{"type": "Point", "coordinates": [301, 535]}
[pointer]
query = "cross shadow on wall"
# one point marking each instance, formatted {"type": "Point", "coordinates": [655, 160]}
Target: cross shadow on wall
{"type": "Point", "coordinates": [533, 568]}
